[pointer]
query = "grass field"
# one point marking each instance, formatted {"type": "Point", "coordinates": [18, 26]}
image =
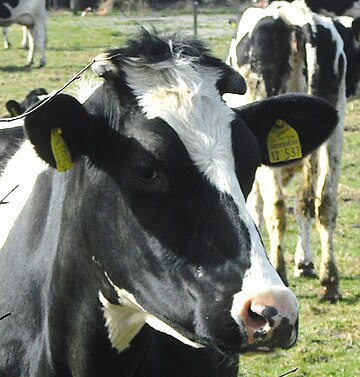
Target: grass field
{"type": "Point", "coordinates": [329, 341]}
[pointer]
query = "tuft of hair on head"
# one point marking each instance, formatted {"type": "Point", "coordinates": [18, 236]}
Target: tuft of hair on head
{"type": "Point", "coordinates": [83, 88]}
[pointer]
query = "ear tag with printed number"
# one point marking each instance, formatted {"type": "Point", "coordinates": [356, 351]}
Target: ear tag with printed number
{"type": "Point", "coordinates": [283, 143]}
{"type": "Point", "coordinates": [60, 151]}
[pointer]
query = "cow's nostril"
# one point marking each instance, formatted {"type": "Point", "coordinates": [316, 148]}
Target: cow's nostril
{"type": "Point", "coordinates": [256, 320]}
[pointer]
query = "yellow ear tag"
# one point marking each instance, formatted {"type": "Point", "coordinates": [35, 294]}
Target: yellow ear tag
{"type": "Point", "coordinates": [60, 151]}
{"type": "Point", "coordinates": [283, 143]}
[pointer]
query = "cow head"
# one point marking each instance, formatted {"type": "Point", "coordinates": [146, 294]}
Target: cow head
{"type": "Point", "coordinates": [159, 171]}
{"type": "Point", "coordinates": [17, 108]}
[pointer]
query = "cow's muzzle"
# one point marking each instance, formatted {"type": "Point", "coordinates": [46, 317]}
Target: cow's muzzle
{"type": "Point", "coordinates": [268, 318]}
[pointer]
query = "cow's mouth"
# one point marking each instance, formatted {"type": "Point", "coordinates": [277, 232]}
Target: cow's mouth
{"type": "Point", "coordinates": [283, 337]}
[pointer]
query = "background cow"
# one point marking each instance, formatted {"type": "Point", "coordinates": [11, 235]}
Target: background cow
{"type": "Point", "coordinates": [29, 13]}
{"type": "Point", "coordinates": [145, 230]}
{"type": "Point", "coordinates": [287, 48]}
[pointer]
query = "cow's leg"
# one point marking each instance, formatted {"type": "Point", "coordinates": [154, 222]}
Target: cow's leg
{"type": "Point", "coordinates": [274, 211]}
{"type": "Point", "coordinates": [326, 208]}
{"type": "Point", "coordinates": [25, 37]}
{"type": "Point", "coordinates": [304, 214]}
{"type": "Point", "coordinates": [37, 40]}
{"type": "Point", "coordinates": [7, 43]}
{"type": "Point", "coordinates": [32, 46]}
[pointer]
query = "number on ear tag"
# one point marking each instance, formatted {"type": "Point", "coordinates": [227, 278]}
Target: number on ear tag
{"type": "Point", "coordinates": [60, 151]}
{"type": "Point", "coordinates": [283, 143]}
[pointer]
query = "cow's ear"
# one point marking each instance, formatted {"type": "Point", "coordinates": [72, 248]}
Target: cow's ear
{"type": "Point", "coordinates": [289, 127]}
{"type": "Point", "coordinates": [60, 131]}
{"type": "Point", "coordinates": [14, 108]}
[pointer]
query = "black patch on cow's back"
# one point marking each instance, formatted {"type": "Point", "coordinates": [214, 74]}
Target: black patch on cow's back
{"type": "Point", "coordinates": [4, 8]}
{"type": "Point", "coordinates": [326, 81]}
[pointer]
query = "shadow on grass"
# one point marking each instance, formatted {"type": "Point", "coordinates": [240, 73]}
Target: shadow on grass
{"type": "Point", "coordinates": [14, 68]}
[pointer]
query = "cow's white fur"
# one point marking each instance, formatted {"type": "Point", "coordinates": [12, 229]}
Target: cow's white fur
{"type": "Point", "coordinates": [124, 321]}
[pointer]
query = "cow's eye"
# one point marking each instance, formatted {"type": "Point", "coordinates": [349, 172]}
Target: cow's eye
{"type": "Point", "coordinates": [146, 172]}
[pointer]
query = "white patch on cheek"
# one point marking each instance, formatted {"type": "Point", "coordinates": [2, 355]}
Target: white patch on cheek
{"type": "Point", "coordinates": [122, 323]}
{"type": "Point", "coordinates": [125, 320]}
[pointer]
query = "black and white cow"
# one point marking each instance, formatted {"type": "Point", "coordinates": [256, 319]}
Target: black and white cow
{"type": "Point", "coordinates": [31, 14]}
{"type": "Point", "coordinates": [16, 108]}
{"type": "Point", "coordinates": [286, 48]}
{"type": "Point", "coordinates": [140, 258]}
{"type": "Point", "coordinates": [333, 7]}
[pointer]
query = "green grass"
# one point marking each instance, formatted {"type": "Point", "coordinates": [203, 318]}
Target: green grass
{"type": "Point", "coordinates": [329, 340]}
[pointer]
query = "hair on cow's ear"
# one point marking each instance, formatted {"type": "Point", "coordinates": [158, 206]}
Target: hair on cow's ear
{"type": "Point", "coordinates": [60, 131]}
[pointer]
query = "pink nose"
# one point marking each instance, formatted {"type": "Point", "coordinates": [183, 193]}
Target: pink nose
{"type": "Point", "coordinates": [268, 317]}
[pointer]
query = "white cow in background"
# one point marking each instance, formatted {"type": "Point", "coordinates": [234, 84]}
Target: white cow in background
{"type": "Point", "coordinates": [29, 13]}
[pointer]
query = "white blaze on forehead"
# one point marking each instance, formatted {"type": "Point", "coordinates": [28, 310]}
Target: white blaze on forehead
{"type": "Point", "coordinates": [188, 100]}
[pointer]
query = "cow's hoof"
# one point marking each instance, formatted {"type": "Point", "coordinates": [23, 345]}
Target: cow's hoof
{"type": "Point", "coordinates": [330, 294]}
{"type": "Point", "coordinates": [306, 270]}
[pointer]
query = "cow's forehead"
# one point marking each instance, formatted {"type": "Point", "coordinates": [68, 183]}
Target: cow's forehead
{"type": "Point", "coordinates": [186, 98]}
